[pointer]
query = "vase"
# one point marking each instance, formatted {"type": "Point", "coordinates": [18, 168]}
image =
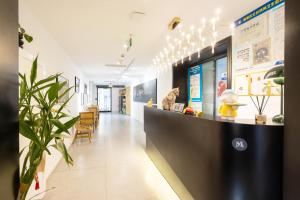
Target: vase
{"type": "Point", "coordinates": [260, 119]}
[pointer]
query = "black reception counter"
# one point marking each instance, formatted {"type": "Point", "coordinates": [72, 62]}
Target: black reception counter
{"type": "Point", "coordinates": [215, 159]}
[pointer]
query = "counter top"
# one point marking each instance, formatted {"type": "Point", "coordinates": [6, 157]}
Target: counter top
{"type": "Point", "coordinates": [219, 119]}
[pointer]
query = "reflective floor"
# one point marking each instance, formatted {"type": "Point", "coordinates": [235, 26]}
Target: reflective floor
{"type": "Point", "coordinates": [113, 167]}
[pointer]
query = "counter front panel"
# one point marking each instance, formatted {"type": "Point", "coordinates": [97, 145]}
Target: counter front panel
{"type": "Point", "coordinates": [217, 160]}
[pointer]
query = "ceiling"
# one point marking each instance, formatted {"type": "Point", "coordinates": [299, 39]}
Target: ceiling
{"type": "Point", "coordinates": [93, 32]}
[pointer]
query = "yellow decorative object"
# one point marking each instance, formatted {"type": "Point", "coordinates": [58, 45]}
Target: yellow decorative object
{"type": "Point", "coordinates": [228, 110]}
{"type": "Point", "coordinates": [229, 106]}
{"type": "Point", "coordinates": [199, 114]}
{"type": "Point", "coordinates": [150, 103]}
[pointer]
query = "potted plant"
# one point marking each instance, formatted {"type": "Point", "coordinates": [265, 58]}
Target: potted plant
{"type": "Point", "coordinates": [43, 121]}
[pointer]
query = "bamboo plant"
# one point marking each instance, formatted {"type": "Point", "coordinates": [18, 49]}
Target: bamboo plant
{"type": "Point", "coordinates": [43, 121]}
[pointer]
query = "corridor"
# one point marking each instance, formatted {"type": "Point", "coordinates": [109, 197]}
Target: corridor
{"type": "Point", "coordinates": [113, 167]}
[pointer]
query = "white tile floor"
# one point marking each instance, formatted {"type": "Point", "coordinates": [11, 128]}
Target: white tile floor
{"type": "Point", "coordinates": [113, 167]}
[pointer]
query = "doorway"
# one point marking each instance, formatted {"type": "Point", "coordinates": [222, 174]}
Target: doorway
{"type": "Point", "coordinates": [104, 99]}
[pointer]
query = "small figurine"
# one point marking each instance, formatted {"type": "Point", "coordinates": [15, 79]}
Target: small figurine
{"type": "Point", "coordinates": [150, 103]}
{"type": "Point", "coordinates": [170, 99]}
{"type": "Point", "coordinates": [228, 109]}
{"type": "Point", "coordinates": [188, 111]}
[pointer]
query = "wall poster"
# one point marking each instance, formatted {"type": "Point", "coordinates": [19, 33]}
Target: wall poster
{"type": "Point", "coordinates": [145, 91]}
{"type": "Point", "coordinates": [258, 43]}
{"type": "Point", "coordinates": [195, 87]}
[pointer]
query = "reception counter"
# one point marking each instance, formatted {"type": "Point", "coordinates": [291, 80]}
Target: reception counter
{"type": "Point", "coordinates": [211, 159]}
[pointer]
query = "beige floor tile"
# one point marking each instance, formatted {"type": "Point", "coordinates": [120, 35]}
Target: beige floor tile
{"type": "Point", "coordinates": [113, 167]}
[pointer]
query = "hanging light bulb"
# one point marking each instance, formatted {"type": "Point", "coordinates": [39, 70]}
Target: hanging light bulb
{"type": "Point", "coordinates": [203, 22]}
{"type": "Point", "coordinates": [218, 12]}
{"type": "Point", "coordinates": [203, 41]}
{"type": "Point", "coordinates": [232, 26]}
{"type": "Point", "coordinates": [183, 34]}
{"type": "Point", "coordinates": [213, 22]}
{"type": "Point", "coordinates": [198, 50]}
{"type": "Point", "coordinates": [215, 34]}
{"type": "Point", "coordinates": [190, 55]}
{"type": "Point", "coordinates": [192, 29]}
{"type": "Point", "coordinates": [168, 38]}
{"type": "Point", "coordinates": [188, 38]}
{"type": "Point", "coordinates": [212, 47]}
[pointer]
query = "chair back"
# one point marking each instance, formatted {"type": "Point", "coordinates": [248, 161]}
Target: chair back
{"type": "Point", "coordinates": [86, 118]}
{"type": "Point", "coordinates": [95, 110]}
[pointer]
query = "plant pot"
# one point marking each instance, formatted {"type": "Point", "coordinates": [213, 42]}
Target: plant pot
{"type": "Point", "coordinates": [260, 119]}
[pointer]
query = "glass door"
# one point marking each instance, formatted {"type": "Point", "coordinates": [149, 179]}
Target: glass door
{"type": "Point", "coordinates": [104, 99]}
{"type": "Point", "coordinates": [208, 70]}
{"type": "Point", "coordinates": [221, 80]}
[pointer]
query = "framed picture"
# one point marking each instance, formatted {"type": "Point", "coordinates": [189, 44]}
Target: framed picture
{"type": "Point", "coordinates": [146, 91]}
{"type": "Point", "coordinates": [77, 84]}
{"type": "Point", "coordinates": [177, 107]}
{"type": "Point", "coordinates": [64, 98]}
{"type": "Point", "coordinates": [85, 88]}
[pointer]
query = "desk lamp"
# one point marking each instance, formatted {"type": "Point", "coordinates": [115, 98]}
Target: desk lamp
{"type": "Point", "coordinates": [277, 75]}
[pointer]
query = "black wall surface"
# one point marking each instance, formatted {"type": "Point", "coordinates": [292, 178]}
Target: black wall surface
{"type": "Point", "coordinates": [9, 137]}
{"type": "Point", "coordinates": [145, 91]}
{"type": "Point", "coordinates": [292, 99]}
{"type": "Point", "coordinates": [180, 72]}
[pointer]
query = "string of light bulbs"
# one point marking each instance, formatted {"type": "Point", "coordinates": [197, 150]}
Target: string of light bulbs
{"type": "Point", "coordinates": [183, 42]}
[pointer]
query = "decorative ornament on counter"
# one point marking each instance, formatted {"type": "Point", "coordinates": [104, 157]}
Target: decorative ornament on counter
{"type": "Point", "coordinates": [170, 99]}
{"type": "Point", "coordinates": [189, 109]}
{"type": "Point", "coordinates": [150, 103]}
{"type": "Point", "coordinates": [229, 106]}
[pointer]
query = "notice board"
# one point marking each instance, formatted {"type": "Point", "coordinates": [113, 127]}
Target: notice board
{"type": "Point", "coordinates": [258, 44]}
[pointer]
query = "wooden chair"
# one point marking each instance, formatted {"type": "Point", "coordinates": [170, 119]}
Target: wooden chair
{"type": "Point", "coordinates": [95, 110]}
{"type": "Point", "coordinates": [83, 131]}
{"type": "Point", "coordinates": [85, 126]}
{"type": "Point", "coordinates": [87, 119]}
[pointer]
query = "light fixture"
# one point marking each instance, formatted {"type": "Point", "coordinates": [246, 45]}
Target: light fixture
{"type": "Point", "coordinates": [181, 43]}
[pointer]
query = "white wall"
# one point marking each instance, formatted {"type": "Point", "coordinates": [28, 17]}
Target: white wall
{"type": "Point", "coordinates": [52, 59]}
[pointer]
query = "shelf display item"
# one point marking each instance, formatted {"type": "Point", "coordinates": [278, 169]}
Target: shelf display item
{"type": "Point", "coordinates": [229, 105]}
{"type": "Point", "coordinates": [150, 103]}
{"type": "Point", "coordinates": [170, 99]}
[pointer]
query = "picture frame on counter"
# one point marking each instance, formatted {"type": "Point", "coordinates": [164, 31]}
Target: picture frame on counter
{"type": "Point", "coordinates": [177, 107]}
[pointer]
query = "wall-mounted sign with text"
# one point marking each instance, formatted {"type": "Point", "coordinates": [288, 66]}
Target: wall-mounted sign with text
{"type": "Point", "coordinates": [258, 43]}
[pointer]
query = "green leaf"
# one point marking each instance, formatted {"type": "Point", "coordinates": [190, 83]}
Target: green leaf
{"type": "Point", "coordinates": [61, 127]}
{"type": "Point", "coordinates": [33, 73]}
{"type": "Point", "coordinates": [27, 132]}
{"type": "Point", "coordinates": [70, 123]}
{"type": "Point", "coordinates": [60, 146]}
{"type": "Point", "coordinates": [53, 92]}
{"type": "Point", "coordinates": [64, 104]}
{"type": "Point", "coordinates": [28, 38]}
{"type": "Point", "coordinates": [46, 80]}
{"type": "Point", "coordinates": [65, 92]}
{"type": "Point", "coordinates": [23, 113]}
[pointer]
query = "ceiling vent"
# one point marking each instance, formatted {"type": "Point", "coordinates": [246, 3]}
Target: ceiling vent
{"type": "Point", "coordinates": [115, 65]}
{"type": "Point", "coordinates": [136, 15]}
